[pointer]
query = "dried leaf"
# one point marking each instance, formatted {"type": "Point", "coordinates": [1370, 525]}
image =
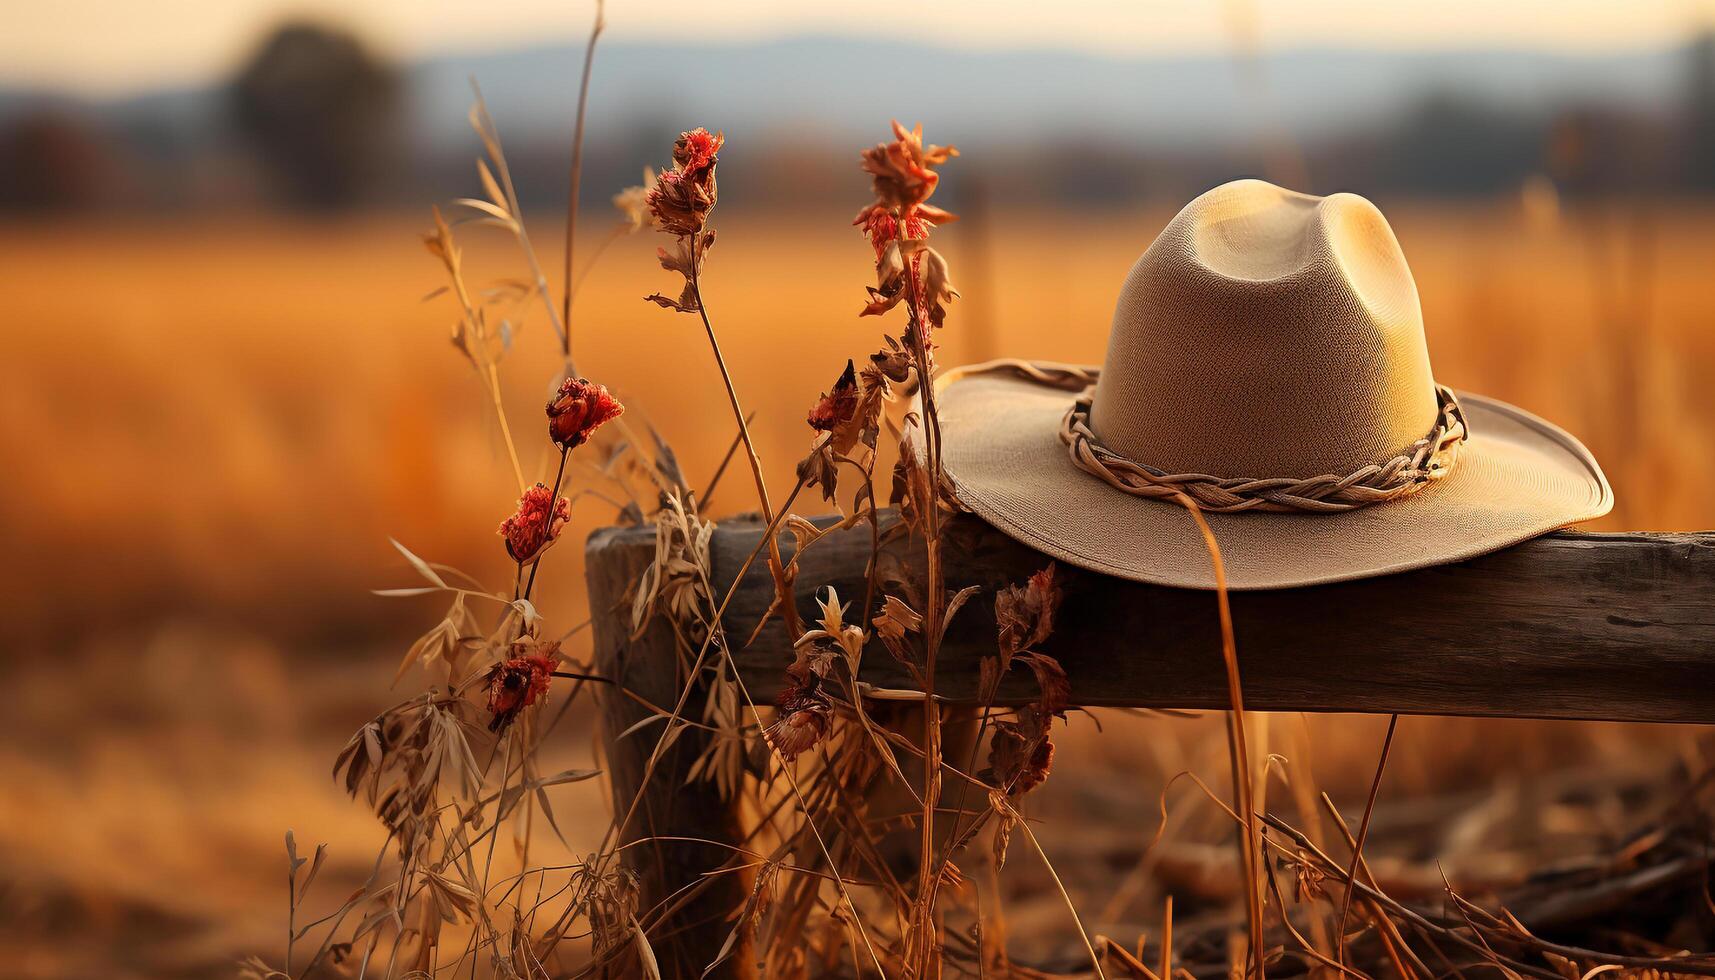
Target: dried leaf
{"type": "Point", "coordinates": [896, 619]}
{"type": "Point", "coordinates": [645, 953]}
{"type": "Point", "coordinates": [1051, 680]}
{"type": "Point", "coordinates": [420, 565]}
{"type": "Point", "coordinates": [1025, 613]}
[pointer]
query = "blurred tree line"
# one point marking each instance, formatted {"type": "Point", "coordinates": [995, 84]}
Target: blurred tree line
{"type": "Point", "coordinates": [321, 112]}
{"type": "Point", "coordinates": [314, 120]}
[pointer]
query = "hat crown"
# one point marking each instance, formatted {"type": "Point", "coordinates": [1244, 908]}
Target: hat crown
{"type": "Point", "coordinates": [1267, 333]}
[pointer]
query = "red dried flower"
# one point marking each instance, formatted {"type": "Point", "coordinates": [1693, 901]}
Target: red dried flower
{"type": "Point", "coordinates": [536, 525]}
{"type": "Point", "coordinates": [515, 684]}
{"type": "Point", "coordinates": [683, 196]}
{"type": "Point", "coordinates": [904, 168]}
{"type": "Point", "coordinates": [695, 151]}
{"type": "Point", "coordinates": [879, 226]}
{"type": "Point", "coordinates": [897, 225]}
{"type": "Point", "coordinates": [836, 407]}
{"type": "Point", "coordinates": [578, 409]}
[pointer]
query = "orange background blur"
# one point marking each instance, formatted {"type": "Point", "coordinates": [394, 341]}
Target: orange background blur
{"type": "Point", "coordinates": [222, 393]}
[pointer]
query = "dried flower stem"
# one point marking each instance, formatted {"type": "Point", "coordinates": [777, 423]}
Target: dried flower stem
{"type": "Point", "coordinates": [1095, 961]}
{"type": "Point", "coordinates": [558, 478]}
{"type": "Point", "coordinates": [928, 874]}
{"type": "Point", "coordinates": [715, 481]}
{"type": "Point", "coordinates": [776, 566]}
{"type": "Point", "coordinates": [505, 429]}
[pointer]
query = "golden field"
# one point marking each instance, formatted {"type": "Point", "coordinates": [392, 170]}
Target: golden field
{"type": "Point", "coordinates": [215, 426]}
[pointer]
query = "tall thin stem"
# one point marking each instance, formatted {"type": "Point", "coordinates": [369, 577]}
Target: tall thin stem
{"type": "Point", "coordinates": [553, 504]}
{"type": "Point", "coordinates": [576, 180]}
{"type": "Point", "coordinates": [776, 565]}
{"type": "Point", "coordinates": [928, 874]}
{"type": "Point", "coordinates": [1358, 843]}
{"type": "Point", "coordinates": [1238, 753]}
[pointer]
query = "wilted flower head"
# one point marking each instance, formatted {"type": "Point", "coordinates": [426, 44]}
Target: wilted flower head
{"type": "Point", "coordinates": [683, 196]}
{"type": "Point", "coordinates": [536, 524]}
{"type": "Point", "coordinates": [835, 408]}
{"type": "Point", "coordinates": [578, 409]}
{"type": "Point", "coordinates": [694, 152]}
{"type": "Point", "coordinates": [804, 713]}
{"type": "Point", "coordinates": [897, 225]}
{"type": "Point", "coordinates": [1021, 754]}
{"type": "Point", "coordinates": [904, 169]}
{"type": "Point", "coordinates": [515, 684]}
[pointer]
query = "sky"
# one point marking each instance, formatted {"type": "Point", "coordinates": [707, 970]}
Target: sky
{"type": "Point", "coordinates": [112, 47]}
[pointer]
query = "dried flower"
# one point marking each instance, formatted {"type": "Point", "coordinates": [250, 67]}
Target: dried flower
{"type": "Point", "coordinates": [849, 414]}
{"type": "Point", "coordinates": [578, 409]}
{"type": "Point", "coordinates": [694, 152]}
{"type": "Point", "coordinates": [804, 712]}
{"type": "Point", "coordinates": [1051, 681]}
{"type": "Point", "coordinates": [904, 169]}
{"type": "Point", "coordinates": [937, 289]}
{"type": "Point", "coordinates": [1025, 615]}
{"type": "Point", "coordinates": [897, 225]}
{"type": "Point", "coordinates": [836, 407]}
{"type": "Point", "coordinates": [1020, 753]}
{"type": "Point", "coordinates": [896, 619]}
{"type": "Point", "coordinates": [683, 196]}
{"type": "Point", "coordinates": [882, 228]}
{"type": "Point", "coordinates": [680, 202]}
{"type": "Point", "coordinates": [820, 469]}
{"type": "Point", "coordinates": [684, 258]}
{"type": "Point", "coordinates": [832, 628]}
{"type": "Point", "coordinates": [536, 525]}
{"type": "Point", "coordinates": [516, 684]}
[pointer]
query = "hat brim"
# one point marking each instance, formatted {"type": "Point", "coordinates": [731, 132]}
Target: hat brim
{"type": "Point", "coordinates": [1517, 476]}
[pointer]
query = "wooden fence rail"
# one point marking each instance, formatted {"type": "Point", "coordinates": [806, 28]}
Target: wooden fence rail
{"type": "Point", "coordinates": [1571, 625]}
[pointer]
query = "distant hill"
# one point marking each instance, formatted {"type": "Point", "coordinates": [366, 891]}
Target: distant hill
{"type": "Point", "coordinates": [1130, 124]}
{"type": "Point", "coordinates": [840, 88]}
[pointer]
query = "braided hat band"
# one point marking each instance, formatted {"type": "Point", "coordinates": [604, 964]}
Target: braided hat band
{"type": "Point", "coordinates": [1426, 460]}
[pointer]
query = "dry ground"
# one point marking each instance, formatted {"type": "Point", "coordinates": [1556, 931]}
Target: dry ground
{"type": "Point", "coordinates": [213, 427]}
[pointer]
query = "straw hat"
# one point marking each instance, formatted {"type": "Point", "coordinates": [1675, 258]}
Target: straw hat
{"type": "Point", "coordinates": [1266, 360]}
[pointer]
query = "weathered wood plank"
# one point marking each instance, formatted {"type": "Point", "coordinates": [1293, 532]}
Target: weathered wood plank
{"type": "Point", "coordinates": [1571, 625]}
{"type": "Point", "coordinates": [675, 872]}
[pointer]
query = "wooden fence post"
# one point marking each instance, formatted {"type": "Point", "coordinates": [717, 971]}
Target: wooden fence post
{"type": "Point", "coordinates": [1569, 625]}
{"type": "Point", "coordinates": [673, 875]}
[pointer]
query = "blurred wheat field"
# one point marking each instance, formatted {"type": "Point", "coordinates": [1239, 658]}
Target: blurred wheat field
{"type": "Point", "coordinates": [215, 426]}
